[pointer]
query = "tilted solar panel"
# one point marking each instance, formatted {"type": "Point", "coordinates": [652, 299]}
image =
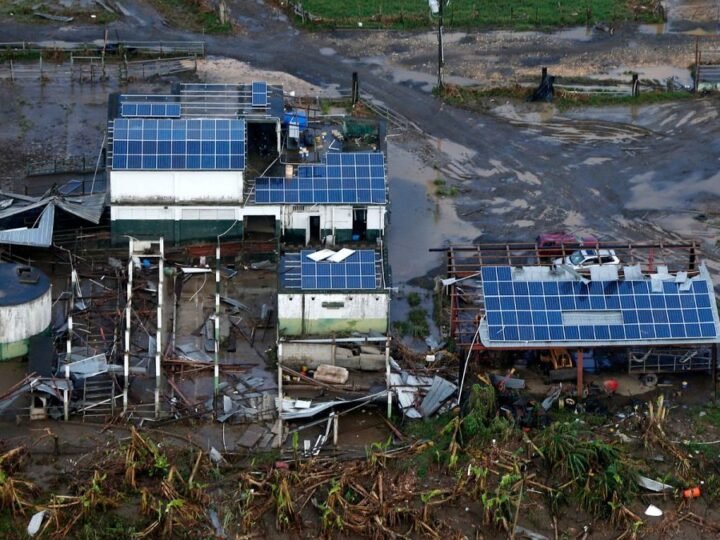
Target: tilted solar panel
{"type": "Point", "coordinates": [150, 110]}
{"type": "Point", "coordinates": [357, 271]}
{"type": "Point", "coordinates": [345, 178]}
{"type": "Point", "coordinates": [193, 144]}
{"type": "Point", "coordinates": [560, 311]}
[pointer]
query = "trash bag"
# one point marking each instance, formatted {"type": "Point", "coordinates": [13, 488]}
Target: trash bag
{"type": "Point", "coordinates": [545, 91]}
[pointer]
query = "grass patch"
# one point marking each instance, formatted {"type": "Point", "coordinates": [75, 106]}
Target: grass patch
{"type": "Point", "coordinates": [445, 191]}
{"type": "Point", "coordinates": [513, 14]}
{"type": "Point", "coordinates": [192, 15]}
{"type": "Point", "coordinates": [416, 324]}
{"type": "Point", "coordinates": [712, 416]}
{"type": "Point", "coordinates": [23, 11]}
{"type": "Point", "coordinates": [413, 299]}
{"type": "Point", "coordinates": [477, 99]}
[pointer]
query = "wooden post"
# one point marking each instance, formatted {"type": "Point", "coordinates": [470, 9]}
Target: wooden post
{"type": "Point", "coordinates": [387, 378]}
{"type": "Point", "coordinates": [441, 54]}
{"type": "Point", "coordinates": [696, 78]}
{"type": "Point", "coordinates": [355, 88]}
{"type": "Point", "coordinates": [713, 370]}
{"type": "Point", "coordinates": [543, 75]}
{"type": "Point", "coordinates": [579, 367]}
{"type": "Point", "coordinates": [635, 85]}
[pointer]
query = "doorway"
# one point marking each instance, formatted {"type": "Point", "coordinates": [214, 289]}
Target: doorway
{"type": "Point", "coordinates": [314, 229]}
{"type": "Point", "coordinates": [359, 224]}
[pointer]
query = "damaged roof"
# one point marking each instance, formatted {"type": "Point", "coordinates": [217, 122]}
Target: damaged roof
{"type": "Point", "coordinates": [87, 207]}
{"type": "Point", "coordinates": [327, 270]}
{"type": "Point", "coordinates": [343, 177]}
{"type": "Point", "coordinates": [551, 307]}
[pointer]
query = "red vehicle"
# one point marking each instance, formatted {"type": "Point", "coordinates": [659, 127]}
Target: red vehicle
{"type": "Point", "coordinates": [560, 244]}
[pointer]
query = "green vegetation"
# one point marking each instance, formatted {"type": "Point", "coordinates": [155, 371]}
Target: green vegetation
{"type": "Point", "coordinates": [477, 99]}
{"type": "Point", "coordinates": [514, 14]}
{"type": "Point", "coordinates": [23, 11]}
{"type": "Point", "coordinates": [192, 15]}
{"type": "Point", "coordinates": [416, 324]}
{"type": "Point", "coordinates": [443, 190]}
{"type": "Point", "coordinates": [413, 299]}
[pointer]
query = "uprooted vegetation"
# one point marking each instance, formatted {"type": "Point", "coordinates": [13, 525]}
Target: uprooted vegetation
{"type": "Point", "coordinates": [478, 470]}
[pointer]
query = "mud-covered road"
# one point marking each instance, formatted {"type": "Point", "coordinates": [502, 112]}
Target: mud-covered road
{"type": "Point", "coordinates": [622, 172]}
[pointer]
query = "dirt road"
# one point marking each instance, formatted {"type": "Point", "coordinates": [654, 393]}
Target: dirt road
{"type": "Point", "coordinates": [623, 173]}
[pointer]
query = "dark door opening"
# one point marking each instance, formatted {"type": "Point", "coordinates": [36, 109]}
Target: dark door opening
{"type": "Point", "coordinates": [314, 229]}
{"type": "Point", "coordinates": [259, 227]}
{"type": "Point", "coordinates": [359, 226]}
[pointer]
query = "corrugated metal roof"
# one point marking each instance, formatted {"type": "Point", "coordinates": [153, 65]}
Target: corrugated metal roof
{"type": "Point", "coordinates": [87, 207]}
{"type": "Point", "coordinates": [38, 236]}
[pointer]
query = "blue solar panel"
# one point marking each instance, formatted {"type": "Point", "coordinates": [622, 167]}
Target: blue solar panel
{"type": "Point", "coordinates": [599, 311]}
{"type": "Point", "coordinates": [146, 109]}
{"type": "Point", "coordinates": [358, 271]}
{"type": "Point", "coordinates": [259, 94]}
{"type": "Point", "coordinates": [198, 144]}
{"type": "Point", "coordinates": [357, 178]}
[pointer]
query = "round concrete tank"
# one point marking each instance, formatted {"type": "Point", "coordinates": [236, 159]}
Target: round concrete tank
{"type": "Point", "coordinates": [25, 308]}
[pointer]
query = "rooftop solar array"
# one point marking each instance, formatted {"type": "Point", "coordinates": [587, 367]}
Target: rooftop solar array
{"type": "Point", "coordinates": [351, 178]}
{"type": "Point", "coordinates": [596, 312]}
{"type": "Point", "coordinates": [197, 144]}
{"type": "Point", "coordinates": [359, 271]}
{"type": "Point", "coordinates": [150, 110]}
{"type": "Point", "coordinates": [259, 94]}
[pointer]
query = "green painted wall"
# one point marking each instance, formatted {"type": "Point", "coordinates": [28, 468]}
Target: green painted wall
{"type": "Point", "coordinates": [372, 235]}
{"type": "Point", "coordinates": [294, 236]}
{"type": "Point", "coordinates": [322, 327]}
{"type": "Point", "coordinates": [17, 349]}
{"type": "Point", "coordinates": [174, 232]}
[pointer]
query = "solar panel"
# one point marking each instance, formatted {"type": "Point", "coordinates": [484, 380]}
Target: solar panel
{"type": "Point", "coordinates": [193, 144]}
{"type": "Point", "coordinates": [146, 109]}
{"type": "Point", "coordinates": [596, 312]}
{"type": "Point", "coordinates": [355, 272]}
{"type": "Point", "coordinates": [344, 178]}
{"type": "Point", "coordinates": [259, 94]}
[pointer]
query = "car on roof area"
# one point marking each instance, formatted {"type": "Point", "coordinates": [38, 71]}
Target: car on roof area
{"type": "Point", "coordinates": [584, 259]}
{"type": "Point", "coordinates": [559, 244]}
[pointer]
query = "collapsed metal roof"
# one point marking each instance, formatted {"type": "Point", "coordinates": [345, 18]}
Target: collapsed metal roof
{"type": "Point", "coordinates": [87, 207]}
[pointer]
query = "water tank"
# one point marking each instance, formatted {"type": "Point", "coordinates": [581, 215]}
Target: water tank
{"type": "Point", "coordinates": [25, 308]}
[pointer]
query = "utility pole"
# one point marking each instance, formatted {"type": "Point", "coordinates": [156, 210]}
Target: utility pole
{"type": "Point", "coordinates": [441, 54]}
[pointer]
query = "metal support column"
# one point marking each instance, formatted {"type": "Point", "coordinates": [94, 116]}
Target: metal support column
{"type": "Point", "coordinates": [216, 375]}
{"type": "Point", "coordinates": [68, 347]}
{"type": "Point", "coordinates": [158, 335]}
{"type": "Point", "coordinates": [128, 311]}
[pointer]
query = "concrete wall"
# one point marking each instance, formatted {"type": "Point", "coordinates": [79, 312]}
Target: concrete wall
{"type": "Point", "coordinates": [168, 187]}
{"type": "Point", "coordinates": [19, 323]}
{"type": "Point", "coordinates": [312, 355]}
{"type": "Point", "coordinates": [181, 223]}
{"type": "Point", "coordinates": [206, 221]}
{"type": "Point", "coordinates": [326, 314]}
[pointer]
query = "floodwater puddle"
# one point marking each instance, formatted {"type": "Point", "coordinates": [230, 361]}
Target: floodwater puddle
{"type": "Point", "coordinates": [578, 33]}
{"type": "Point", "coordinates": [419, 221]}
{"type": "Point", "coordinates": [659, 73]}
{"type": "Point", "coordinates": [427, 81]}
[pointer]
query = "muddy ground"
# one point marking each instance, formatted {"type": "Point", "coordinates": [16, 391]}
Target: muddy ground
{"type": "Point", "coordinates": [623, 173]}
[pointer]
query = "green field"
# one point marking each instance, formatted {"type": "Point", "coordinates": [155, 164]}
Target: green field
{"type": "Point", "coordinates": [515, 14]}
